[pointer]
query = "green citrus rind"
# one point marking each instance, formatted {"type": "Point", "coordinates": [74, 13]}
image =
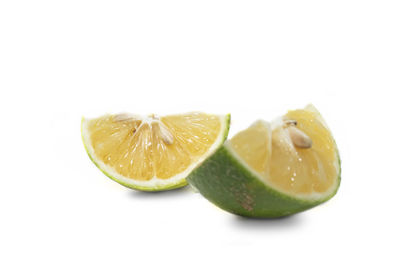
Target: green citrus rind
{"type": "Point", "coordinates": [173, 185]}
{"type": "Point", "coordinates": [225, 181]}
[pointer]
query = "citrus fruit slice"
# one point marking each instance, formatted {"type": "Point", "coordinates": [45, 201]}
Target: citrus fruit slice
{"type": "Point", "coordinates": [152, 153]}
{"type": "Point", "coordinates": [273, 169]}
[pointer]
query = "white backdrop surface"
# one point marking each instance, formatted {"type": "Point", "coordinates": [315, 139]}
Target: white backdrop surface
{"type": "Point", "coordinates": [60, 60]}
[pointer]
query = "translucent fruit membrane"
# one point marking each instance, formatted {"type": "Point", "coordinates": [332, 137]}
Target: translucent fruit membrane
{"type": "Point", "coordinates": [270, 152]}
{"type": "Point", "coordinates": [136, 149]}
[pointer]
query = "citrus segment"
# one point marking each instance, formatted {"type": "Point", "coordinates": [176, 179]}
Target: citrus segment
{"type": "Point", "coordinates": [195, 132]}
{"type": "Point", "coordinates": [151, 153]}
{"type": "Point", "coordinates": [307, 171]}
{"type": "Point", "coordinates": [253, 145]}
{"type": "Point", "coordinates": [273, 169]}
{"type": "Point", "coordinates": [304, 172]}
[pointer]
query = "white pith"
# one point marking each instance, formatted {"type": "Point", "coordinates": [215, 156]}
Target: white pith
{"type": "Point", "coordinates": [315, 196]}
{"type": "Point", "coordinates": [155, 182]}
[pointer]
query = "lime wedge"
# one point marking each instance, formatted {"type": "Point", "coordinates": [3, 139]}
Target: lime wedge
{"type": "Point", "coordinates": [152, 153]}
{"type": "Point", "coordinates": [273, 169]}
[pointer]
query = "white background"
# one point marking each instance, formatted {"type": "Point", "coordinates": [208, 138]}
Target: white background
{"type": "Point", "coordinates": [60, 60]}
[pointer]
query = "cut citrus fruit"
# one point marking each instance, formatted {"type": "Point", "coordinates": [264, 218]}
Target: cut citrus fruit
{"type": "Point", "coordinates": [152, 153]}
{"type": "Point", "coordinates": [273, 169]}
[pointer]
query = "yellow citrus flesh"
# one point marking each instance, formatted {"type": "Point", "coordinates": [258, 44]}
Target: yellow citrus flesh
{"type": "Point", "coordinates": [136, 149]}
{"type": "Point", "coordinates": [253, 145]}
{"type": "Point", "coordinates": [291, 169]}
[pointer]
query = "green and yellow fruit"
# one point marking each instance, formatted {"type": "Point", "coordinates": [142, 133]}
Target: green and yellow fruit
{"type": "Point", "coordinates": [273, 169]}
{"type": "Point", "coordinates": [152, 153]}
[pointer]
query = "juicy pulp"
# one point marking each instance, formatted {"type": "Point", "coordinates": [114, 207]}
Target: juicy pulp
{"type": "Point", "coordinates": [269, 151]}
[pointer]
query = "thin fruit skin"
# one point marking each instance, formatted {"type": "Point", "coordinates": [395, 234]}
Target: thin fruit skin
{"type": "Point", "coordinates": [224, 181]}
